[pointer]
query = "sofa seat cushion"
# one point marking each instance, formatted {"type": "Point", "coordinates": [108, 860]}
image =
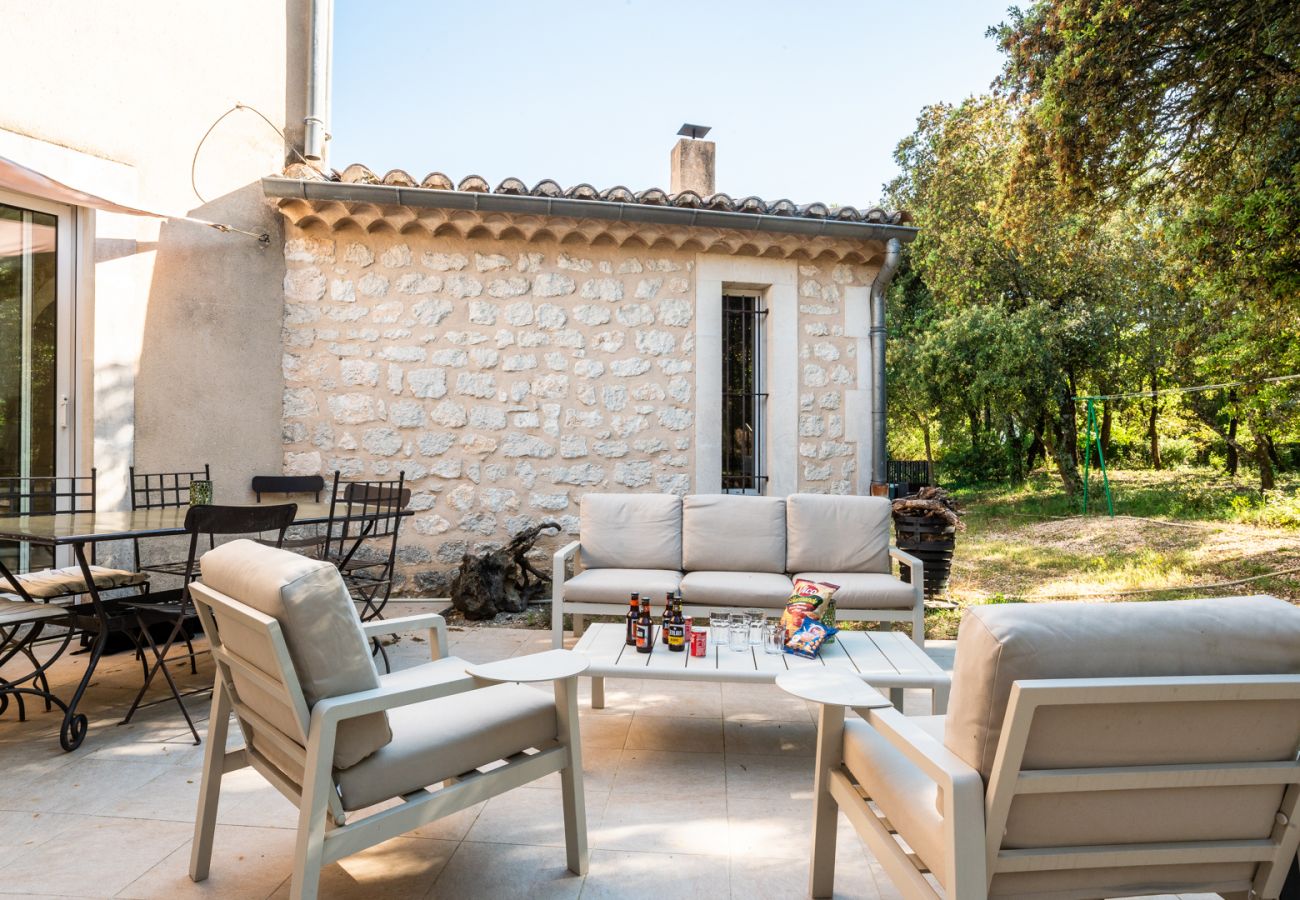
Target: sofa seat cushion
{"type": "Point", "coordinates": [330, 653]}
{"type": "Point", "coordinates": [632, 531]}
{"type": "Point", "coordinates": [828, 533]}
{"type": "Point", "coordinates": [49, 584]}
{"type": "Point", "coordinates": [905, 794]}
{"type": "Point", "coordinates": [866, 590]}
{"type": "Point", "coordinates": [440, 739]}
{"type": "Point", "coordinates": [765, 590]}
{"type": "Point", "coordinates": [616, 585]}
{"type": "Point", "coordinates": [733, 533]}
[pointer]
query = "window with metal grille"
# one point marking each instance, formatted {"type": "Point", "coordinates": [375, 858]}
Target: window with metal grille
{"type": "Point", "coordinates": [743, 395]}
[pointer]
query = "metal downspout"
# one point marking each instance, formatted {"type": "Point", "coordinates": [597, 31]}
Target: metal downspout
{"type": "Point", "coordinates": [315, 132]}
{"type": "Point", "coordinates": [879, 452]}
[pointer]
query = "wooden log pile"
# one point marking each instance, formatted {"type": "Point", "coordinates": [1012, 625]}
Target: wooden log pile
{"type": "Point", "coordinates": [931, 503]}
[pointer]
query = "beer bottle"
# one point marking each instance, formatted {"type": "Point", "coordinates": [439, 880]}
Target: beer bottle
{"type": "Point", "coordinates": [668, 617]}
{"type": "Point", "coordinates": [677, 629]}
{"type": "Point", "coordinates": [633, 611]}
{"type": "Point", "coordinates": [644, 630]}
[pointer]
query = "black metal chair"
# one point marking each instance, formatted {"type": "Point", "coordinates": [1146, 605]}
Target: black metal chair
{"type": "Point", "coordinates": [199, 521]}
{"type": "Point", "coordinates": [365, 517]}
{"type": "Point", "coordinates": [288, 486]}
{"type": "Point", "coordinates": [161, 490]}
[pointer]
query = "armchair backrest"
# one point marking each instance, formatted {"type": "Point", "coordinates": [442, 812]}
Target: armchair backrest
{"type": "Point", "coordinates": [1140, 726]}
{"type": "Point", "coordinates": [831, 533]}
{"type": "Point", "coordinates": [317, 623]}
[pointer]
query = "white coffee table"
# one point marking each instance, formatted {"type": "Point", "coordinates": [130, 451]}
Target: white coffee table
{"type": "Point", "coordinates": [883, 659]}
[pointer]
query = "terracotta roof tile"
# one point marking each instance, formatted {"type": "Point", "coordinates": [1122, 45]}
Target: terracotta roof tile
{"type": "Point", "coordinates": [359, 174]}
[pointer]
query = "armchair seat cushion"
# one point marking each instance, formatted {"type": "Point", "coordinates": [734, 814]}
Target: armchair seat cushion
{"type": "Point", "coordinates": [866, 590]}
{"type": "Point", "coordinates": [614, 585]}
{"type": "Point", "coordinates": [766, 590]}
{"type": "Point", "coordinates": [49, 584]}
{"type": "Point", "coordinates": [906, 795]}
{"type": "Point", "coordinates": [440, 739]}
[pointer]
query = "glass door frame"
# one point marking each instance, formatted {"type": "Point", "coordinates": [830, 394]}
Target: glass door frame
{"type": "Point", "coordinates": [67, 350]}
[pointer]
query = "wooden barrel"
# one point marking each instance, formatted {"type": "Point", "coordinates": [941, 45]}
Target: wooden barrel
{"type": "Point", "coordinates": [932, 541]}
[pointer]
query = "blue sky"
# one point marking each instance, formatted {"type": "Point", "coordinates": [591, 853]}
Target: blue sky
{"type": "Point", "coordinates": [807, 100]}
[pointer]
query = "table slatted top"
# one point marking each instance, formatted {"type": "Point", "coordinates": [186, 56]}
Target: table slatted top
{"type": "Point", "coordinates": [112, 525]}
{"type": "Point", "coordinates": [887, 658]}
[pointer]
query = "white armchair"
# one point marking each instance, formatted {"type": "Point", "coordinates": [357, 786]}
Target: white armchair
{"type": "Point", "coordinates": [336, 739]}
{"type": "Point", "coordinates": [1090, 750]}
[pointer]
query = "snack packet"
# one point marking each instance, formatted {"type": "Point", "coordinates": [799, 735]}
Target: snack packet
{"type": "Point", "coordinates": [807, 600]}
{"type": "Point", "coordinates": [808, 639]}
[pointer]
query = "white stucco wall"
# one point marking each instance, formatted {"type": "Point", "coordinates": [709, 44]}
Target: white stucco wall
{"type": "Point", "coordinates": [180, 324]}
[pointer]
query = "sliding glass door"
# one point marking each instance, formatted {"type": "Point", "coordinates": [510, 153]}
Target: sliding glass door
{"type": "Point", "coordinates": [35, 344]}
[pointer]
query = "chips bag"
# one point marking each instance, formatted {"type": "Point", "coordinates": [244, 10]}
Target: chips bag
{"type": "Point", "coordinates": [808, 599]}
{"type": "Point", "coordinates": [808, 639]}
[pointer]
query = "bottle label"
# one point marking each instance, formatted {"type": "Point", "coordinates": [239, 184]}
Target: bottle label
{"type": "Point", "coordinates": [677, 635]}
{"type": "Point", "coordinates": [643, 635]}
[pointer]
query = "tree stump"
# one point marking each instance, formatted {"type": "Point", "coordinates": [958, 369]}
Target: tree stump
{"type": "Point", "coordinates": [500, 580]}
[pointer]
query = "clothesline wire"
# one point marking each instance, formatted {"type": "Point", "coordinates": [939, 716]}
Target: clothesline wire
{"type": "Point", "coordinates": [1187, 390]}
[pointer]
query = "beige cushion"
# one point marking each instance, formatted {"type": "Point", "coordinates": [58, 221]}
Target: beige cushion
{"type": "Point", "coordinates": [14, 611]}
{"type": "Point", "coordinates": [826, 533]}
{"type": "Point", "coordinates": [767, 590]}
{"type": "Point", "coordinates": [733, 533]}
{"type": "Point", "coordinates": [440, 739]}
{"type": "Point", "coordinates": [631, 531]}
{"type": "Point", "coordinates": [866, 590]}
{"type": "Point", "coordinates": [999, 645]}
{"type": "Point", "coordinates": [329, 651]}
{"type": "Point", "coordinates": [50, 583]}
{"type": "Point", "coordinates": [616, 585]}
{"type": "Point", "coordinates": [903, 792]}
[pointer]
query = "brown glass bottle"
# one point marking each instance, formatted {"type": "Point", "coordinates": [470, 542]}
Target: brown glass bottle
{"type": "Point", "coordinates": [633, 612]}
{"type": "Point", "coordinates": [668, 617]}
{"type": "Point", "coordinates": [644, 630]}
{"type": "Point", "coordinates": [676, 628]}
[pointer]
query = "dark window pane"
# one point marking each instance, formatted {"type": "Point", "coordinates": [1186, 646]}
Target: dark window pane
{"type": "Point", "coordinates": [742, 393]}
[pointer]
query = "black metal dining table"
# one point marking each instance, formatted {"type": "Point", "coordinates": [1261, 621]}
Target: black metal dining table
{"type": "Point", "coordinates": [79, 530]}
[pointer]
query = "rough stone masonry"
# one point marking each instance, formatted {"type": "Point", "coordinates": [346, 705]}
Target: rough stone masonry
{"type": "Point", "coordinates": [506, 378]}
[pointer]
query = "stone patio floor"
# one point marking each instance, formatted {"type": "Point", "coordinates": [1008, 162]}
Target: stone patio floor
{"type": "Point", "coordinates": [693, 791]}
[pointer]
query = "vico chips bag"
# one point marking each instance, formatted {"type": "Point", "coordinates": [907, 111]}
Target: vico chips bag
{"type": "Point", "coordinates": [807, 601]}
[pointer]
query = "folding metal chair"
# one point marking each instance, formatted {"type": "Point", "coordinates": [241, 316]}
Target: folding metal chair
{"type": "Point", "coordinates": [288, 487]}
{"type": "Point", "coordinates": [160, 490]}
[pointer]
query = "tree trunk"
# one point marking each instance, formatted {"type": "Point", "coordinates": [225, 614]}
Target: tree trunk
{"type": "Point", "coordinates": [1105, 429]}
{"type": "Point", "coordinates": [1152, 433]}
{"type": "Point", "coordinates": [1066, 430]}
{"type": "Point", "coordinates": [1272, 453]}
{"type": "Point", "coordinates": [1233, 456]}
{"type": "Point", "coordinates": [1036, 447]}
{"type": "Point", "coordinates": [973, 416]}
{"type": "Point", "coordinates": [1014, 451]}
{"type": "Point", "coordinates": [929, 452]}
{"type": "Point", "coordinates": [1266, 481]}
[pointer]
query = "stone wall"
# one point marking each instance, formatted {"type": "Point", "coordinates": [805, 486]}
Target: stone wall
{"type": "Point", "coordinates": [507, 378]}
{"type": "Point", "coordinates": [503, 383]}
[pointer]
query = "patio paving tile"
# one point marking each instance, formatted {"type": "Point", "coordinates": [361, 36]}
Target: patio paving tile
{"type": "Point", "coordinates": [667, 772]}
{"type": "Point", "coordinates": [247, 864]}
{"type": "Point", "coordinates": [692, 825]}
{"type": "Point", "coordinates": [506, 872]}
{"type": "Point", "coordinates": [608, 732]}
{"type": "Point", "coordinates": [626, 875]}
{"type": "Point", "coordinates": [767, 776]}
{"type": "Point", "coordinates": [692, 735]}
{"type": "Point", "coordinates": [403, 868]}
{"type": "Point", "coordinates": [761, 737]}
{"type": "Point", "coordinates": [531, 816]}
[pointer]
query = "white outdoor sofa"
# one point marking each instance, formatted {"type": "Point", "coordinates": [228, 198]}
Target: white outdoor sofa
{"type": "Point", "coordinates": [1089, 750]}
{"type": "Point", "coordinates": [731, 550]}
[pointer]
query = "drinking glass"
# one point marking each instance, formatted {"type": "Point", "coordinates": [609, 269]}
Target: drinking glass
{"type": "Point", "coordinates": [739, 632]}
{"type": "Point", "coordinates": [755, 618]}
{"type": "Point", "coordinates": [774, 637]}
{"type": "Point", "coordinates": [200, 493]}
{"type": "Point", "coordinates": [719, 629]}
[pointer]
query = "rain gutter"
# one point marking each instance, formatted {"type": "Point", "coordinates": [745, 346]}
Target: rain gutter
{"type": "Point", "coordinates": [879, 396]}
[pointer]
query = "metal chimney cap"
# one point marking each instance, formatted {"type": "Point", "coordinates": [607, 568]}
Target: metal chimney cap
{"type": "Point", "coordinates": [694, 131]}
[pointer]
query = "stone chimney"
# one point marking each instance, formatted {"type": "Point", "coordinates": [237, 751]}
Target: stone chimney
{"type": "Point", "coordinates": [693, 162]}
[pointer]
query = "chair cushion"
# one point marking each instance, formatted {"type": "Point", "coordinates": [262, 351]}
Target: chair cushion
{"type": "Point", "coordinates": [733, 533]}
{"type": "Point", "coordinates": [866, 590]}
{"type": "Point", "coordinates": [766, 590]}
{"type": "Point", "coordinates": [999, 645]}
{"type": "Point", "coordinates": [14, 611]}
{"type": "Point", "coordinates": [50, 583]}
{"type": "Point", "coordinates": [330, 653]}
{"type": "Point", "coordinates": [615, 585]}
{"type": "Point", "coordinates": [905, 794]}
{"type": "Point", "coordinates": [828, 533]}
{"type": "Point", "coordinates": [440, 739]}
{"type": "Point", "coordinates": [631, 531]}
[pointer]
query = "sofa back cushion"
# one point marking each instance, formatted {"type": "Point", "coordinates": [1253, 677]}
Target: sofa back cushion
{"type": "Point", "coordinates": [330, 654]}
{"type": "Point", "coordinates": [1000, 645]}
{"type": "Point", "coordinates": [631, 531]}
{"type": "Point", "coordinates": [827, 533]}
{"type": "Point", "coordinates": [733, 533]}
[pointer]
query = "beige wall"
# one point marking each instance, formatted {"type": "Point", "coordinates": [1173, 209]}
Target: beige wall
{"type": "Point", "coordinates": [113, 98]}
{"type": "Point", "coordinates": [506, 378]}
